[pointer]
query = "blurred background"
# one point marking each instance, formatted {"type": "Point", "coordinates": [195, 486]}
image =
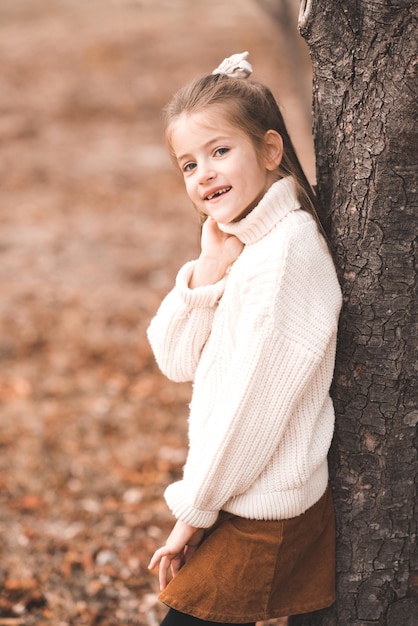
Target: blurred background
{"type": "Point", "coordinates": [94, 224]}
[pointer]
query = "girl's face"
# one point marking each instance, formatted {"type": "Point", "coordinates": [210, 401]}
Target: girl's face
{"type": "Point", "coordinates": [224, 175]}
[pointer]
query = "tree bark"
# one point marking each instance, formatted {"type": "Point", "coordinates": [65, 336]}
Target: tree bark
{"type": "Point", "coordinates": [365, 130]}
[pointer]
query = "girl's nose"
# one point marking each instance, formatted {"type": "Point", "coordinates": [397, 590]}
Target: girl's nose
{"type": "Point", "coordinates": [206, 173]}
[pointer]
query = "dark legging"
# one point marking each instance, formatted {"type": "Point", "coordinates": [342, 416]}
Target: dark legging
{"type": "Point", "coordinates": [175, 618]}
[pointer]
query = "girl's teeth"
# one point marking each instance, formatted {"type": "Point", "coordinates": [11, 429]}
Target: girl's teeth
{"type": "Point", "coordinates": [217, 193]}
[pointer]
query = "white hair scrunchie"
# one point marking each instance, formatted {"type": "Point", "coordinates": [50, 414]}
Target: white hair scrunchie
{"type": "Point", "coordinates": [235, 66]}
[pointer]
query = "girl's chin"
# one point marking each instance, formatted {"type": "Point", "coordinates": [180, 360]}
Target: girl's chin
{"type": "Point", "coordinates": [222, 215]}
{"type": "Point", "coordinates": [226, 219]}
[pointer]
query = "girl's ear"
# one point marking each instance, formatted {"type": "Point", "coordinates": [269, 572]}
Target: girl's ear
{"type": "Point", "coordinates": [273, 150]}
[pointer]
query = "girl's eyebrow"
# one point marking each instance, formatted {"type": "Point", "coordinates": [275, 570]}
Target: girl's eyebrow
{"type": "Point", "coordinates": [215, 140]}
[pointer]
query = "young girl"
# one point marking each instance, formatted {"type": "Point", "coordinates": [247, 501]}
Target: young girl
{"type": "Point", "coordinates": [253, 323]}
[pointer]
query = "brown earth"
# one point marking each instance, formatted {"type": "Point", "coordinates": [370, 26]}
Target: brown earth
{"type": "Point", "coordinates": [94, 225]}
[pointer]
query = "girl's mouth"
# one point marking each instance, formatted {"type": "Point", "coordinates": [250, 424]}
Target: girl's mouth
{"type": "Point", "coordinates": [217, 193]}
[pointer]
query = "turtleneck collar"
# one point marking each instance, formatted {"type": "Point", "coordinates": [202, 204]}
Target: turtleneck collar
{"type": "Point", "coordinates": [277, 202]}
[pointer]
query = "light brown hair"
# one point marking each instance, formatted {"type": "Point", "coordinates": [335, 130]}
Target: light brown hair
{"type": "Point", "coordinates": [251, 107]}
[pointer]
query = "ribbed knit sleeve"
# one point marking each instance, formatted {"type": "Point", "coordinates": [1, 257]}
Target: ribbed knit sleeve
{"type": "Point", "coordinates": [182, 324]}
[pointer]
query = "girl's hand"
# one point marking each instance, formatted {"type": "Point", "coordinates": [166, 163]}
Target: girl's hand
{"type": "Point", "coordinates": [180, 546]}
{"type": "Point", "coordinates": [219, 251]}
{"type": "Point", "coordinates": [219, 245]}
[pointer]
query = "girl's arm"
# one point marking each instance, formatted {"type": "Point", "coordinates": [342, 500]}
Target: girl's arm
{"type": "Point", "coordinates": [180, 329]}
{"type": "Point", "coordinates": [219, 251]}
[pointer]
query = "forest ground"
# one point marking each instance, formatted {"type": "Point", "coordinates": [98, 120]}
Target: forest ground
{"type": "Point", "coordinates": [94, 224]}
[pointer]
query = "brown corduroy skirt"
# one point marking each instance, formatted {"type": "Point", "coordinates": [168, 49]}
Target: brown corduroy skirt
{"type": "Point", "coordinates": [251, 570]}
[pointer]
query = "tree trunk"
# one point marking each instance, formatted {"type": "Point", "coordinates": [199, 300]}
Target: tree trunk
{"type": "Point", "coordinates": [366, 141]}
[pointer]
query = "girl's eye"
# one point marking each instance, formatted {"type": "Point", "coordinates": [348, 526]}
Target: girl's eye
{"type": "Point", "coordinates": [189, 167]}
{"type": "Point", "coordinates": [221, 151]}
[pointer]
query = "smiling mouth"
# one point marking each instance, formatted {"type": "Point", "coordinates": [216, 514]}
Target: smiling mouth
{"type": "Point", "coordinates": [217, 193]}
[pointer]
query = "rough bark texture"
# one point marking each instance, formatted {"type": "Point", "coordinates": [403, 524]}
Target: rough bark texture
{"type": "Point", "coordinates": [363, 55]}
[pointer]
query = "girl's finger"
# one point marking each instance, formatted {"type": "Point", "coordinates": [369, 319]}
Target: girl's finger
{"type": "Point", "coordinates": [156, 557]}
{"type": "Point", "coordinates": [153, 562]}
{"type": "Point", "coordinates": [162, 575]}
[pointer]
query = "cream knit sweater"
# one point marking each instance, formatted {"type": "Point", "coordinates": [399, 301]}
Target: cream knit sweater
{"type": "Point", "coordinates": [259, 346]}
